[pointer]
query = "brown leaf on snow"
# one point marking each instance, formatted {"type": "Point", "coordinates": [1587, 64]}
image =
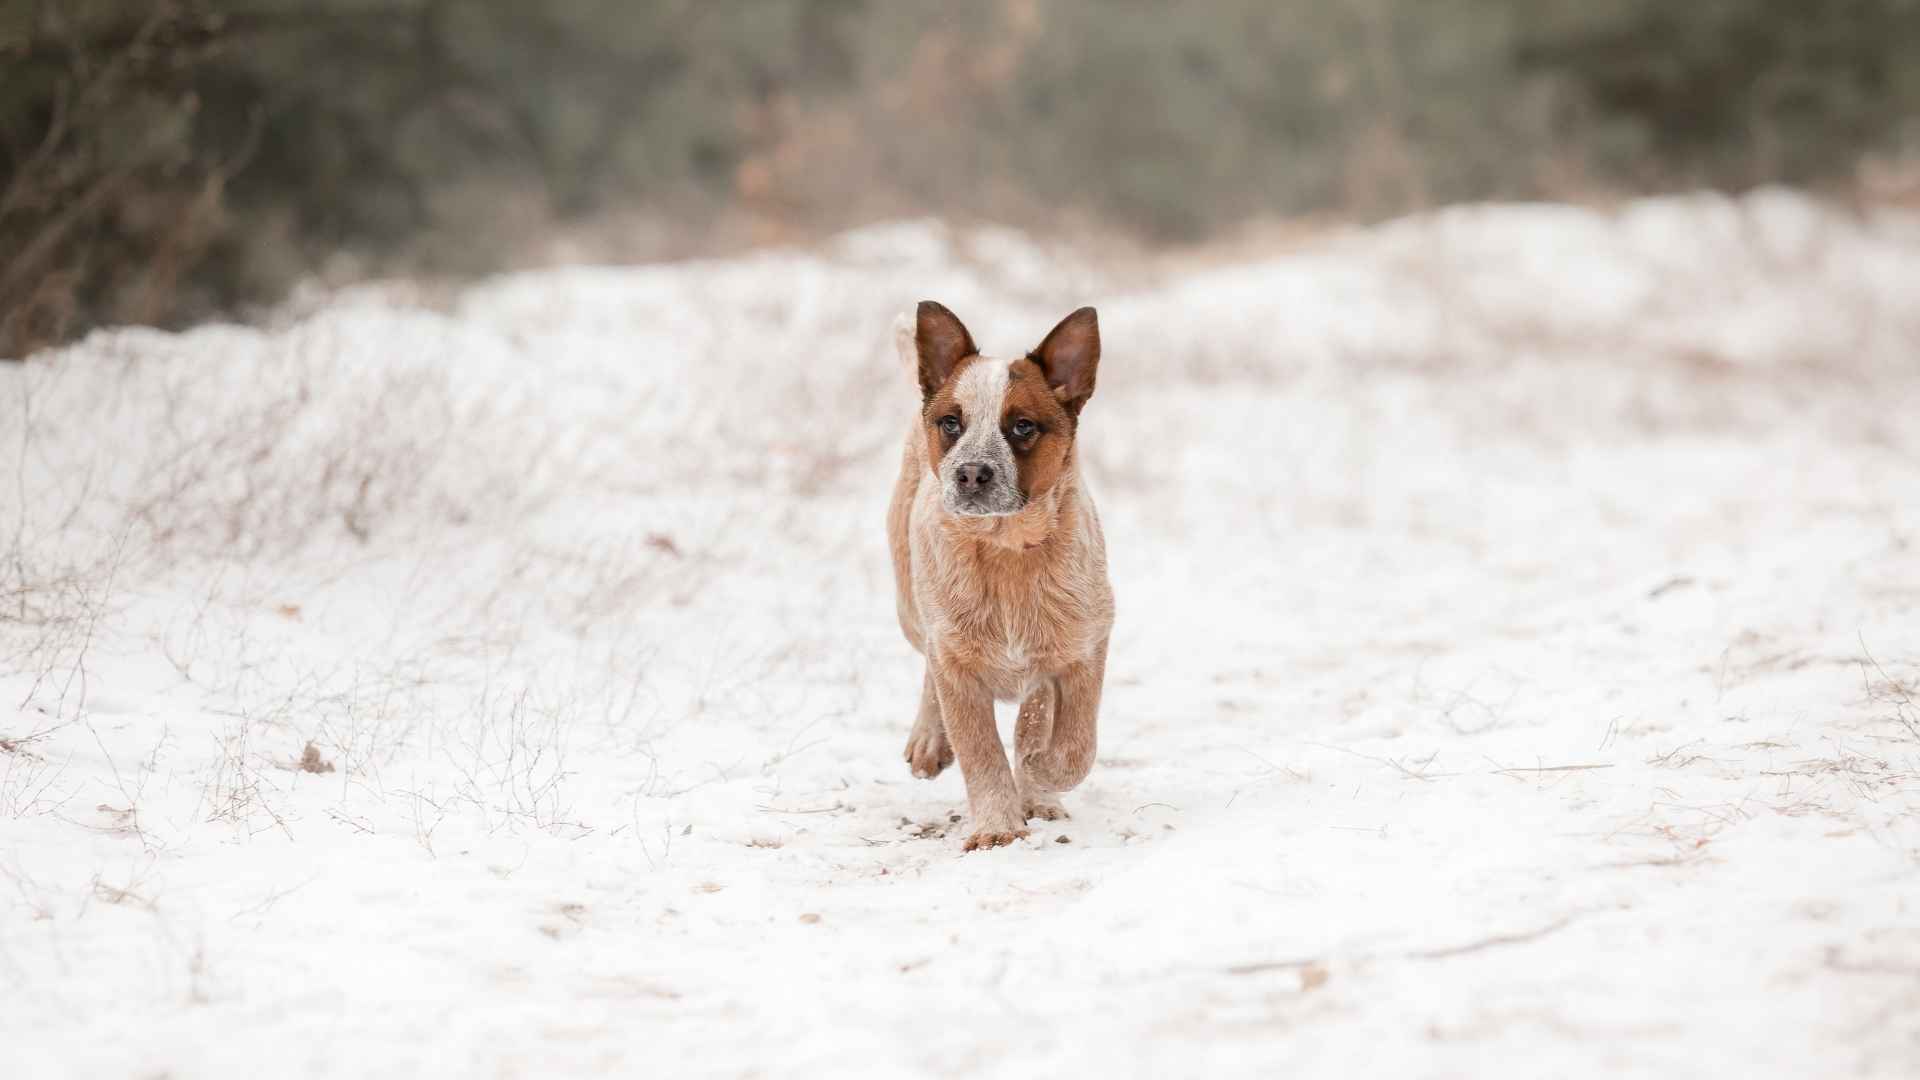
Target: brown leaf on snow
{"type": "Point", "coordinates": [311, 761]}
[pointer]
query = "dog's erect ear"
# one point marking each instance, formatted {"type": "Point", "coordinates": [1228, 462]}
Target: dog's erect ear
{"type": "Point", "coordinates": [940, 341]}
{"type": "Point", "coordinates": [1069, 356]}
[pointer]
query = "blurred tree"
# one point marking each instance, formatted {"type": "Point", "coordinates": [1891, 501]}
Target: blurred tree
{"type": "Point", "coordinates": [102, 208]}
{"type": "Point", "coordinates": [161, 160]}
{"type": "Point", "coordinates": [1737, 92]}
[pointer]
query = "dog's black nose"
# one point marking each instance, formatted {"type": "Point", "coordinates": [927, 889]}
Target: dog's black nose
{"type": "Point", "coordinates": [974, 475]}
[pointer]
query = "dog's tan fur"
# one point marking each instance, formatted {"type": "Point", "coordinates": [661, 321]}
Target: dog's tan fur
{"type": "Point", "coordinates": [1015, 607]}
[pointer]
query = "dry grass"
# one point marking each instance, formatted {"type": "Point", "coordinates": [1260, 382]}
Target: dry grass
{"type": "Point", "coordinates": [1895, 697]}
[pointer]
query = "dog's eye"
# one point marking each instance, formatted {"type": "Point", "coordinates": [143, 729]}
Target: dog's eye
{"type": "Point", "coordinates": [1024, 428]}
{"type": "Point", "coordinates": [950, 425]}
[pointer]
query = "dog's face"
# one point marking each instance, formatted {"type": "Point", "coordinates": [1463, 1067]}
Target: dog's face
{"type": "Point", "coordinates": [999, 432]}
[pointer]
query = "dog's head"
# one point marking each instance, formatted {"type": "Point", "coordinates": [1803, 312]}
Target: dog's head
{"type": "Point", "coordinates": [1000, 432]}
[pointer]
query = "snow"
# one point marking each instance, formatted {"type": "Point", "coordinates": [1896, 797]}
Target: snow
{"type": "Point", "coordinates": [1516, 608]}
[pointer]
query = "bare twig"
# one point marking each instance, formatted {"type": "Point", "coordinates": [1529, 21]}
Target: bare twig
{"type": "Point", "coordinates": [1261, 966]}
{"type": "Point", "coordinates": [1422, 775]}
{"type": "Point", "coordinates": [1494, 942]}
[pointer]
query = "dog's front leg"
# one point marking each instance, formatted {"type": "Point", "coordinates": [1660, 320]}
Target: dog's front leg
{"type": "Point", "coordinates": [967, 707]}
{"type": "Point", "coordinates": [1066, 756]}
{"type": "Point", "coordinates": [1032, 734]}
{"type": "Point", "coordinates": [928, 753]}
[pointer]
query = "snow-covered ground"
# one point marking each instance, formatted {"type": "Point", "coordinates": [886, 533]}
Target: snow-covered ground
{"type": "Point", "coordinates": [1519, 608]}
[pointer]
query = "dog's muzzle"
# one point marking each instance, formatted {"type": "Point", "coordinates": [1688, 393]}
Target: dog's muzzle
{"type": "Point", "coordinates": [981, 489]}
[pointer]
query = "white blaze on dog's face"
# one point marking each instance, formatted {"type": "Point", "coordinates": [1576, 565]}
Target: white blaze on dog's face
{"type": "Point", "coordinates": [999, 432]}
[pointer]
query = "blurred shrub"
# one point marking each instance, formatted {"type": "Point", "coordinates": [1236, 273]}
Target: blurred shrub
{"type": "Point", "coordinates": [104, 209]}
{"type": "Point", "coordinates": [1735, 92]}
{"type": "Point", "coordinates": [161, 160]}
{"type": "Point", "coordinates": [1178, 121]}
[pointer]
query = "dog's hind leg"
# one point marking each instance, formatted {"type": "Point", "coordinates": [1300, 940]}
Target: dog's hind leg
{"type": "Point", "coordinates": [928, 752]}
{"type": "Point", "coordinates": [1065, 757]}
{"type": "Point", "coordinates": [1032, 732]}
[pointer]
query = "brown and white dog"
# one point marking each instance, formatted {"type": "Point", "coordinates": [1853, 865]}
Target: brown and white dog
{"type": "Point", "coordinates": [1000, 570]}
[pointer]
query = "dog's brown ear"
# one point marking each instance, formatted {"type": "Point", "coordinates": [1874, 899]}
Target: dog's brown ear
{"type": "Point", "coordinates": [941, 341]}
{"type": "Point", "coordinates": [1069, 356]}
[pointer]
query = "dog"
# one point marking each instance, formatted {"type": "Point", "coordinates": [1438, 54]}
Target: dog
{"type": "Point", "coordinates": [1000, 567]}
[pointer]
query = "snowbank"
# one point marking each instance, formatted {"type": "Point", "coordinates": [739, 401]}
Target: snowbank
{"type": "Point", "coordinates": [1513, 674]}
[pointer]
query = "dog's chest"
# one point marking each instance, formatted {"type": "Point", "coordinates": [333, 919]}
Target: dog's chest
{"type": "Point", "coordinates": [1012, 624]}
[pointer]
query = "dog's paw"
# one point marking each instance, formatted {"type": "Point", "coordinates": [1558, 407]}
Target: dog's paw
{"type": "Point", "coordinates": [985, 838]}
{"type": "Point", "coordinates": [928, 752]}
{"type": "Point", "coordinates": [999, 825]}
{"type": "Point", "coordinates": [1044, 806]}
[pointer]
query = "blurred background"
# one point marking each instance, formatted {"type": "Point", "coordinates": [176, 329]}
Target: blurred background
{"type": "Point", "coordinates": [167, 161]}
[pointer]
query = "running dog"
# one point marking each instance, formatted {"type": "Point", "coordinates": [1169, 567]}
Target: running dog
{"type": "Point", "coordinates": [1000, 568]}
